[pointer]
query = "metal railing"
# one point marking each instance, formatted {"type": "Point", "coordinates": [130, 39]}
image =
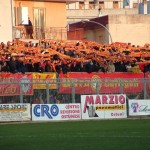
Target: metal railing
{"type": "Point", "coordinates": [54, 33]}
{"type": "Point", "coordinates": [70, 91]}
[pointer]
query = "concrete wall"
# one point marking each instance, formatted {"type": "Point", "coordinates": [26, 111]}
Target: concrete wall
{"type": "Point", "coordinates": [77, 15]}
{"type": "Point", "coordinates": [99, 35]}
{"type": "Point", "coordinates": [133, 29]}
{"type": "Point", "coordinates": [6, 21]}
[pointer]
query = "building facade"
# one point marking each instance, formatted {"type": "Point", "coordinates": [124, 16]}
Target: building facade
{"type": "Point", "coordinates": [86, 9]}
{"type": "Point", "coordinates": [134, 29]}
{"type": "Point", "coordinates": [48, 18]}
{"type": "Point", "coordinates": [104, 4]}
{"type": "Point", "coordinates": [123, 19]}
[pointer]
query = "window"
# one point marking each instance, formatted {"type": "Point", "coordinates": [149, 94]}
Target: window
{"type": "Point", "coordinates": [39, 22]}
{"type": "Point", "coordinates": [101, 5]}
{"type": "Point", "coordinates": [135, 5]}
{"type": "Point", "coordinates": [115, 5]}
{"type": "Point", "coordinates": [81, 5]}
{"type": "Point", "coordinates": [91, 5]}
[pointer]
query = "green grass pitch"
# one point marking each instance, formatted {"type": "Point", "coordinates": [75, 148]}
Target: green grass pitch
{"type": "Point", "coordinates": [77, 135]}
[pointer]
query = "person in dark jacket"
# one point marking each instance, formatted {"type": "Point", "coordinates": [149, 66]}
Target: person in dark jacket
{"type": "Point", "coordinates": [29, 29]}
{"type": "Point", "coordinates": [12, 65]}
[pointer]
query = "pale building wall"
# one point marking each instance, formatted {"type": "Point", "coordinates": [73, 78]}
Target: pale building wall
{"type": "Point", "coordinates": [89, 35]}
{"type": "Point", "coordinates": [133, 29]}
{"type": "Point", "coordinates": [55, 12]}
{"type": "Point", "coordinates": [6, 23]}
{"type": "Point", "coordinates": [86, 4]}
{"type": "Point", "coordinates": [120, 4]}
{"type": "Point", "coordinates": [77, 15]}
{"type": "Point", "coordinates": [108, 4]}
{"type": "Point", "coordinates": [99, 35]}
{"type": "Point", "coordinates": [74, 5]}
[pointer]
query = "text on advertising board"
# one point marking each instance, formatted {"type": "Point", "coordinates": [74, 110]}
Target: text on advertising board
{"type": "Point", "coordinates": [45, 110]}
{"type": "Point", "coordinates": [104, 99]}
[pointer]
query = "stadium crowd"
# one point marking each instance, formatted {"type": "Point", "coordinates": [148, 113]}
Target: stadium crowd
{"type": "Point", "coordinates": [73, 56]}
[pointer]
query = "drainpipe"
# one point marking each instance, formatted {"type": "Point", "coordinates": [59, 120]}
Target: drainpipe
{"type": "Point", "coordinates": [12, 16]}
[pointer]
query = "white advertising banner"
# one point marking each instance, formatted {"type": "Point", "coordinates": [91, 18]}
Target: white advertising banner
{"type": "Point", "coordinates": [103, 106]}
{"type": "Point", "coordinates": [50, 112]}
{"type": "Point", "coordinates": [139, 107]}
{"type": "Point", "coordinates": [14, 112]}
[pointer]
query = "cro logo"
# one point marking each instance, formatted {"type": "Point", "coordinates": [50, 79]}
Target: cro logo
{"type": "Point", "coordinates": [46, 110]}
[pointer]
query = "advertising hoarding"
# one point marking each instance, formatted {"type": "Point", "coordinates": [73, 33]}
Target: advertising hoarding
{"type": "Point", "coordinates": [15, 112]}
{"type": "Point", "coordinates": [51, 112]}
{"type": "Point", "coordinates": [139, 107]}
{"type": "Point", "coordinates": [103, 106]}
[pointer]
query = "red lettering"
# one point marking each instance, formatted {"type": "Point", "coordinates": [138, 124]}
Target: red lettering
{"type": "Point", "coordinates": [116, 99]}
{"type": "Point", "coordinates": [122, 99]}
{"type": "Point", "coordinates": [98, 100]}
{"type": "Point", "coordinates": [88, 100]}
{"type": "Point", "coordinates": [104, 99]}
{"type": "Point", "coordinates": [111, 101]}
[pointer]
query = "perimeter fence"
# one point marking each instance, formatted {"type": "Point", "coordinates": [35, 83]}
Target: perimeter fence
{"type": "Point", "coordinates": [64, 90]}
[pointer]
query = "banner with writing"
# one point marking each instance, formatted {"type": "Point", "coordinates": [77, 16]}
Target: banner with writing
{"type": "Point", "coordinates": [44, 78]}
{"type": "Point", "coordinates": [139, 107]}
{"type": "Point", "coordinates": [103, 106]}
{"type": "Point", "coordinates": [49, 112]}
{"type": "Point", "coordinates": [14, 84]}
{"type": "Point", "coordinates": [91, 83]}
{"type": "Point", "coordinates": [15, 112]}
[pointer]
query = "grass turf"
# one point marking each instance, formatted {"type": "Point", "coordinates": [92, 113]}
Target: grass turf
{"type": "Point", "coordinates": [80, 135]}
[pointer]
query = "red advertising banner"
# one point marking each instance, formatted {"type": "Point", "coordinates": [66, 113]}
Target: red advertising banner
{"type": "Point", "coordinates": [14, 84]}
{"type": "Point", "coordinates": [147, 80]}
{"type": "Point", "coordinates": [91, 83]}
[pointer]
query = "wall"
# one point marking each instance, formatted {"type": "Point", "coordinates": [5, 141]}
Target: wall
{"type": "Point", "coordinates": [99, 35]}
{"type": "Point", "coordinates": [6, 21]}
{"type": "Point", "coordinates": [76, 15]}
{"type": "Point", "coordinates": [133, 29]}
{"type": "Point", "coordinates": [108, 5]}
{"type": "Point", "coordinates": [55, 12]}
{"type": "Point", "coordinates": [74, 5]}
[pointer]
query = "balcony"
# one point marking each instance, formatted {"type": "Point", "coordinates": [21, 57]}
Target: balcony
{"type": "Point", "coordinates": [21, 32]}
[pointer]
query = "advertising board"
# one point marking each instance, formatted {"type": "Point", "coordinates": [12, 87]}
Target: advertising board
{"type": "Point", "coordinates": [51, 112]}
{"type": "Point", "coordinates": [14, 112]}
{"type": "Point", "coordinates": [139, 107]}
{"type": "Point", "coordinates": [103, 106]}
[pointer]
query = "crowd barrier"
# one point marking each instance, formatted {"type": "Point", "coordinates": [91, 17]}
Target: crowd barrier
{"type": "Point", "coordinates": [103, 106]}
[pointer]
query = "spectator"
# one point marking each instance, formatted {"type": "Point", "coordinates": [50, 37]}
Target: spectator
{"type": "Point", "coordinates": [90, 67]}
{"type": "Point", "coordinates": [48, 66]}
{"type": "Point", "coordinates": [128, 66]}
{"type": "Point", "coordinates": [52, 99]}
{"type": "Point", "coordinates": [29, 29]}
{"type": "Point", "coordinates": [74, 67]}
{"type": "Point", "coordinates": [13, 65]}
{"type": "Point", "coordinates": [111, 66]}
{"type": "Point", "coordinates": [59, 56]}
{"type": "Point", "coordinates": [36, 101]}
{"type": "Point", "coordinates": [4, 66]}
{"type": "Point", "coordinates": [29, 66]}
